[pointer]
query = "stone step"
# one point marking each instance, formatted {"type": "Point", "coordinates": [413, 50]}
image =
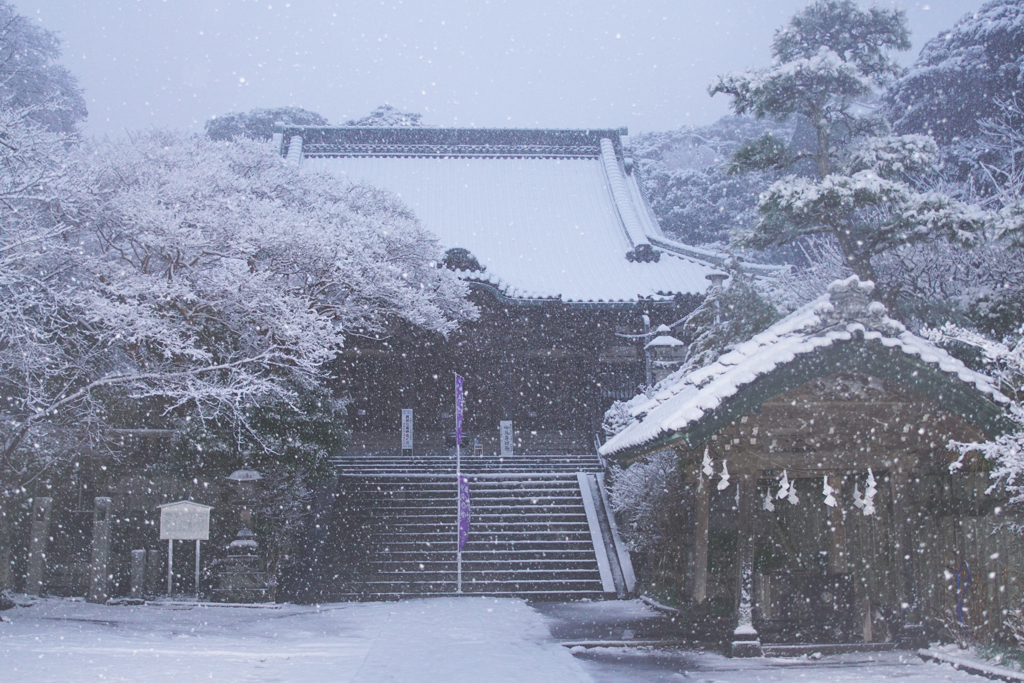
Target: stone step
{"type": "Point", "coordinates": [529, 536]}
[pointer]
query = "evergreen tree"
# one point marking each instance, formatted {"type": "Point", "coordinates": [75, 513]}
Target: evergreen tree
{"type": "Point", "coordinates": [864, 189]}
{"type": "Point", "coordinates": [962, 75]}
{"type": "Point", "coordinates": [258, 124]}
{"type": "Point", "coordinates": [730, 314]}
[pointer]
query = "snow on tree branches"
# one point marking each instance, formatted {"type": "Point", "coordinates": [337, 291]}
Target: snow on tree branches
{"type": "Point", "coordinates": [30, 81]}
{"type": "Point", "coordinates": [201, 277]}
{"type": "Point", "coordinates": [1005, 362]}
{"type": "Point", "coordinates": [963, 74]}
{"type": "Point", "coordinates": [869, 194]}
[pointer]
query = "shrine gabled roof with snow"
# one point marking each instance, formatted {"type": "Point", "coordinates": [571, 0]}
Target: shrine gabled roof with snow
{"type": "Point", "coordinates": [841, 320]}
{"type": "Point", "coordinates": [549, 214]}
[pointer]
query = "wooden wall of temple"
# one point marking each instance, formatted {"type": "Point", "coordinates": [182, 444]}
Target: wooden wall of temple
{"type": "Point", "coordinates": [810, 557]}
{"type": "Point", "coordinates": [550, 368]}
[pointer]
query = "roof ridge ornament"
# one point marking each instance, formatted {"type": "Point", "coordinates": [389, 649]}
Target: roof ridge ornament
{"type": "Point", "coordinates": [849, 302]}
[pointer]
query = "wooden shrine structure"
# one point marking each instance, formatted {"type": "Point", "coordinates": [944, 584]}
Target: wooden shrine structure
{"type": "Point", "coordinates": [818, 451]}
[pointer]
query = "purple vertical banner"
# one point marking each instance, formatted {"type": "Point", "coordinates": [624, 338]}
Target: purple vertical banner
{"type": "Point", "coordinates": [463, 511]}
{"type": "Point", "coordinates": [458, 409]}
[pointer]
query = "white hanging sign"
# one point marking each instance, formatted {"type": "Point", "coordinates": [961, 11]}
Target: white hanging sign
{"type": "Point", "coordinates": [406, 429]}
{"type": "Point", "coordinates": [506, 438]}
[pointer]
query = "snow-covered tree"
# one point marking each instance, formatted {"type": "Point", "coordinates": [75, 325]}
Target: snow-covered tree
{"type": "Point", "coordinates": [387, 116]}
{"type": "Point", "coordinates": [730, 314]}
{"type": "Point", "coordinates": [30, 82]}
{"type": "Point", "coordinates": [202, 278]}
{"type": "Point", "coordinates": [258, 124]}
{"type": "Point", "coordinates": [1004, 361]}
{"type": "Point", "coordinates": [685, 176]}
{"type": "Point", "coordinates": [866, 190]}
{"type": "Point", "coordinates": [641, 494]}
{"type": "Point", "coordinates": [963, 74]}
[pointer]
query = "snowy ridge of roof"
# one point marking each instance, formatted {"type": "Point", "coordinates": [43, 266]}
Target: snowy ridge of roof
{"type": "Point", "coordinates": [683, 398]}
{"type": "Point", "coordinates": [336, 141]}
{"type": "Point", "coordinates": [623, 202]}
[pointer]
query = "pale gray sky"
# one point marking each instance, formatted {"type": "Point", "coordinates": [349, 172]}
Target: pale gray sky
{"type": "Point", "coordinates": [485, 63]}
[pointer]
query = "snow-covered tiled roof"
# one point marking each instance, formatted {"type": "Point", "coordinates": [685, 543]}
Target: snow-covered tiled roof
{"type": "Point", "coordinates": [683, 398]}
{"type": "Point", "coordinates": [550, 214]}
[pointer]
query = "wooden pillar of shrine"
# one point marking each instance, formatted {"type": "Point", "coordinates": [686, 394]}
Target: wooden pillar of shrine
{"type": "Point", "coordinates": [745, 639]}
{"type": "Point", "coordinates": [911, 634]}
{"type": "Point", "coordinates": [702, 510]}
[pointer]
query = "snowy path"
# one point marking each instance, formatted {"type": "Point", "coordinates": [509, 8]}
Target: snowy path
{"type": "Point", "coordinates": [440, 640]}
{"type": "Point", "coordinates": [419, 640]}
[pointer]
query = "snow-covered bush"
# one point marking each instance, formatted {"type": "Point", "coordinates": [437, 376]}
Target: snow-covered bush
{"type": "Point", "coordinates": [616, 419]}
{"type": "Point", "coordinates": [641, 493]}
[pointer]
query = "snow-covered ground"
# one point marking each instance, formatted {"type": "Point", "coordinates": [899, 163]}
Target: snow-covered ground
{"type": "Point", "coordinates": [442, 640]}
{"type": "Point", "coordinates": [450, 640]}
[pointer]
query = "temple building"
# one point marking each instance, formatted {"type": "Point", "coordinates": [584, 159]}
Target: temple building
{"type": "Point", "coordinates": [819, 501]}
{"type": "Point", "coordinates": [565, 261]}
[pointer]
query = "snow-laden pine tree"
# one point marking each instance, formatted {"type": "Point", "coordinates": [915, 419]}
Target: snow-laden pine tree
{"type": "Point", "coordinates": [863, 188]}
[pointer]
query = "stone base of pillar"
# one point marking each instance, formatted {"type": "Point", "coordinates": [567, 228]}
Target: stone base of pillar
{"type": "Point", "coordinates": [911, 637]}
{"type": "Point", "coordinates": [745, 648]}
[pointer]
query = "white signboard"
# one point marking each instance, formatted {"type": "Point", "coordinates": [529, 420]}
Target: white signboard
{"type": "Point", "coordinates": [506, 437]}
{"type": "Point", "coordinates": [185, 521]}
{"type": "Point", "coordinates": [407, 429]}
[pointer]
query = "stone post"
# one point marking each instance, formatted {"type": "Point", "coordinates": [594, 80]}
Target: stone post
{"type": "Point", "coordinates": [745, 640]}
{"type": "Point", "coordinates": [6, 553]}
{"type": "Point", "coordinates": [39, 536]}
{"type": "Point", "coordinates": [99, 566]}
{"type": "Point", "coordinates": [155, 570]}
{"type": "Point", "coordinates": [138, 575]}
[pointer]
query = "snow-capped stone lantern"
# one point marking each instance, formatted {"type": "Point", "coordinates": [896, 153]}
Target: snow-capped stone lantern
{"type": "Point", "coordinates": [241, 576]}
{"type": "Point", "coordinates": [667, 353]}
{"type": "Point", "coordinates": [244, 483]}
{"type": "Point", "coordinates": [717, 280]}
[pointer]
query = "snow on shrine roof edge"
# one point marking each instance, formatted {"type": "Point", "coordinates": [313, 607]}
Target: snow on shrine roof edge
{"type": "Point", "coordinates": [683, 399]}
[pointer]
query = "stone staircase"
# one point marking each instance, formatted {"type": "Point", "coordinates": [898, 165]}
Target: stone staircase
{"type": "Point", "coordinates": [540, 529]}
{"type": "Point", "coordinates": [356, 464]}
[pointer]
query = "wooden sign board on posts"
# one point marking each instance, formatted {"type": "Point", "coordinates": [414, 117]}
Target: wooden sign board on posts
{"type": "Point", "coordinates": [185, 521]}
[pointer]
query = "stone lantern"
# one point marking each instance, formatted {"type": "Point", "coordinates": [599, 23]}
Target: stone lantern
{"type": "Point", "coordinates": [244, 482]}
{"type": "Point", "coordinates": [241, 576]}
{"type": "Point", "coordinates": [666, 352]}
